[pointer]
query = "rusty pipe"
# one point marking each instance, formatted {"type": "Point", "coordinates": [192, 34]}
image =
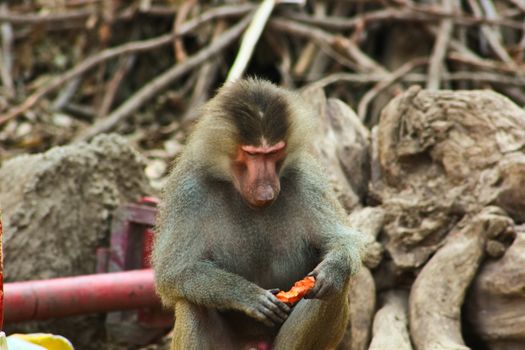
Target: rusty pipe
{"type": "Point", "coordinates": [1, 276]}
{"type": "Point", "coordinates": [59, 297]}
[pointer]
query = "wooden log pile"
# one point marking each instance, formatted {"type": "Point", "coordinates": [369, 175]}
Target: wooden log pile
{"type": "Point", "coordinates": [72, 69]}
{"type": "Point", "coordinates": [444, 205]}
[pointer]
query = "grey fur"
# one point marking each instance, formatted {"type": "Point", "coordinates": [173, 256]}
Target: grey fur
{"type": "Point", "coordinates": [215, 258]}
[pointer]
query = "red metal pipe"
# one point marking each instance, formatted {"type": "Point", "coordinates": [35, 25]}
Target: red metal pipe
{"type": "Point", "coordinates": [1, 276]}
{"type": "Point", "coordinates": [59, 297]}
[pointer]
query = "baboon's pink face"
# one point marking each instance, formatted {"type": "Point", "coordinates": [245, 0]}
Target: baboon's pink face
{"type": "Point", "coordinates": [255, 171]}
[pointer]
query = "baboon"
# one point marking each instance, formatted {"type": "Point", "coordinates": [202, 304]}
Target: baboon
{"type": "Point", "coordinates": [247, 210]}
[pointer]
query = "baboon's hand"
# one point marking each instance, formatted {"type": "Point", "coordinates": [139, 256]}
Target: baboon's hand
{"type": "Point", "coordinates": [329, 280]}
{"type": "Point", "coordinates": [268, 309]}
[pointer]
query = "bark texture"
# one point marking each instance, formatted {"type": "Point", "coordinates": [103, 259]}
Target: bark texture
{"type": "Point", "coordinates": [438, 293]}
{"type": "Point", "coordinates": [439, 156]}
{"type": "Point", "coordinates": [446, 175]}
{"type": "Point", "coordinates": [343, 147]}
{"type": "Point", "coordinates": [390, 329]}
{"type": "Point", "coordinates": [496, 303]}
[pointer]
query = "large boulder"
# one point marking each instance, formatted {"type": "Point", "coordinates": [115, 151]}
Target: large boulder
{"type": "Point", "coordinates": [57, 209]}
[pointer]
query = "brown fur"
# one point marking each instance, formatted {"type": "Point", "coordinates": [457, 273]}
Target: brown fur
{"type": "Point", "coordinates": [215, 258]}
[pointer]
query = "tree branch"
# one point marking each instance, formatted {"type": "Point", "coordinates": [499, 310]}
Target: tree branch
{"type": "Point", "coordinates": [158, 84]}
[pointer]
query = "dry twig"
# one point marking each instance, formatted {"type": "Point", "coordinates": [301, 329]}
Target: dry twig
{"type": "Point", "coordinates": [250, 39]}
{"type": "Point", "coordinates": [399, 15]}
{"type": "Point", "coordinates": [364, 62]}
{"type": "Point", "coordinates": [182, 14]}
{"type": "Point", "coordinates": [204, 81]}
{"type": "Point", "coordinates": [114, 83]}
{"type": "Point", "coordinates": [440, 49]}
{"type": "Point", "coordinates": [6, 57]}
{"type": "Point", "coordinates": [139, 46]}
{"type": "Point", "coordinates": [477, 19]}
{"type": "Point", "coordinates": [492, 37]}
{"type": "Point", "coordinates": [398, 74]}
{"type": "Point", "coordinates": [162, 81]}
{"type": "Point", "coordinates": [17, 19]}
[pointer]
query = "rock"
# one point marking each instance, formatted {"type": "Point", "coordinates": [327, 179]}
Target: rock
{"type": "Point", "coordinates": [57, 209]}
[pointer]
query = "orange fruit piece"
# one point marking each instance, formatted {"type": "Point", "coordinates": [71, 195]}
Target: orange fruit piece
{"type": "Point", "coordinates": [298, 291]}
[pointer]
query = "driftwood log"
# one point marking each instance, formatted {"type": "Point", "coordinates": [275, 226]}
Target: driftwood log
{"type": "Point", "coordinates": [496, 302]}
{"type": "Point", "coordinates": [448, 170]}
{"type": "Point", "coordinates": [342, 146]}
{"type": "Point", "coordinates": [390, 329]}
{"type": "Point", "coordinates": [438, 293]}
{"type": "Point", "coordinates": [445, 171]}
{"type": "Point", "coordinates": [362, 297]}
{"type": "Point", "coordinates": [442, 155]}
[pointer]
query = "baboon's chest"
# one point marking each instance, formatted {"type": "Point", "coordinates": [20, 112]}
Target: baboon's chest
{"type": "Point", "coordinates": [270, 247]}
{"type": "Point", "coordinates": [272, 255]}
